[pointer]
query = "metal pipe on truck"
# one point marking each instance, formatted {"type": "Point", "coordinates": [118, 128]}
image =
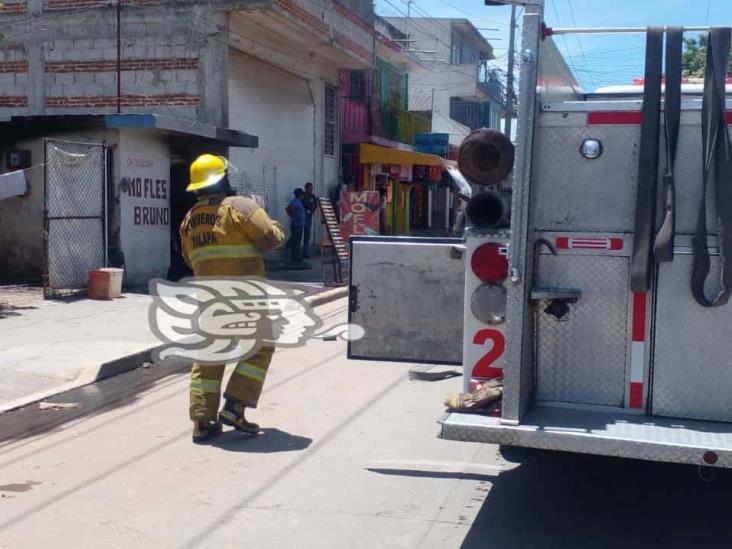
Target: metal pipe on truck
{"type": "Point", "coordinates": [486, 157]}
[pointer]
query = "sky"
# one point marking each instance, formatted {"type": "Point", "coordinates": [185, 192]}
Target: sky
{"type": "Point", "coordinates": [596, 60]}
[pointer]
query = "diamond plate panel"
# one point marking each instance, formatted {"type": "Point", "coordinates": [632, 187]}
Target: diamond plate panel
{"type": "Point", "coordinates": [75, 247]}
{"type": "Point", "coordinates": [582, 359]}
{"type": "Point", "coordinates": [74, 181]}
{"type": "Point", "coordinates": [599, 433]}
{"type": "Point", "coordinates": [692, 374]}
{"type": "Point", "coordinates": [572, 193]}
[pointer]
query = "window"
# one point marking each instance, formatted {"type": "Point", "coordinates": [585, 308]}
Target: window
{"type": "Point", "coordinates": [456, 53]}
{"type": "Point", "coordinates": [358, 85]}
{"type": "Point", "coordinates": [330, 121]}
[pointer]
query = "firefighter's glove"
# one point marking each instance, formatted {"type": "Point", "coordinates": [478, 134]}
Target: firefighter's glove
{"type": "Point", "coordinates": [488, 394]}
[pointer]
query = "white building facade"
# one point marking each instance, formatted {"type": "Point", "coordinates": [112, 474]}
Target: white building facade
{"type": "Point", "coordinates": [450, 83]}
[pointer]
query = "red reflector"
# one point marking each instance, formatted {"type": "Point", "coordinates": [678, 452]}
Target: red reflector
{"type": "Point", "coordinates": [489, 262]}
{"type": "Point", "coordinates": [611, 118]}
{"type": "Point", "coordinates": [710, 458]}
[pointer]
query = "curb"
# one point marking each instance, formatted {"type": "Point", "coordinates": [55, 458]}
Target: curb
{"type": "Point", "coordinates": [321, 298]}
{"type": "Point", "coordinates": [130, 363]}
{"type": "Point", "coordinates": [106, 370]}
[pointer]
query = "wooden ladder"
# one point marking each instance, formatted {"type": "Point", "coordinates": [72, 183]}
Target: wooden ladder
{"type": "Point", "coordinates": [340, 259]}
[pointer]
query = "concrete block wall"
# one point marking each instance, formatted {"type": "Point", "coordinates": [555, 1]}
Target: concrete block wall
{"type": "Point", "coordinates": [21, 218]}
{"type": "Point", "coordinates": [60, 57]}
{"type": "Point", "coordinates": [330, 17]}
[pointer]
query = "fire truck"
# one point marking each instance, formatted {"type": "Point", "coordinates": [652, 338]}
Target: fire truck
{"type": "Point", "coordinates": [601, 300]}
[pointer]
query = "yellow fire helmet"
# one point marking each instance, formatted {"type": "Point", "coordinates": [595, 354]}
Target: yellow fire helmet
{"type": "Point", "coordinates": [207, 170]}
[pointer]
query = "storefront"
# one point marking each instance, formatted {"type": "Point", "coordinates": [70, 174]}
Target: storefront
{"type": "Point", "coordinates": [409, 184]}
{"type": "Point", "coordinates": [142, 172]}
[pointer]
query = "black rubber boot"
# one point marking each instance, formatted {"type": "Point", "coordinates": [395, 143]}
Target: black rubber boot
{"type": "Point", "coordinates": [205, 430]}
{"type": "Point", "coordinates": [233, 416]}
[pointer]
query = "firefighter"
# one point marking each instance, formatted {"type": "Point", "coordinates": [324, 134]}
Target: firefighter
{"type": "Point", "coordinates": [225, 235]}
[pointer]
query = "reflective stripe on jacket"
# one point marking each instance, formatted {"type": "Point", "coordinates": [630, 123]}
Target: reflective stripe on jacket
{"type": "Point", "coordinates": [227, 236]}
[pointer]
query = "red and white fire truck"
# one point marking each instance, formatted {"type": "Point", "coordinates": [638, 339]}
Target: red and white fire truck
{"type": "Point", "coordinates": [603, 305]}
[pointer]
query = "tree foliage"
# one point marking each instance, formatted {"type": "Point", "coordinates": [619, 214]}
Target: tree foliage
{"type": "Point", "coordinates": [695, 55]}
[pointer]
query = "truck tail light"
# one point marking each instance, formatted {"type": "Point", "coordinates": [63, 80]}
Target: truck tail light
{"type": "Point", "coordinates": [489, 263]}
{"type": "Point", "coordinates": [488, 303]}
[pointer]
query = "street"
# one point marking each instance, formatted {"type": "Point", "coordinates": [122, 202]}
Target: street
{"type": "Point", "coordinates": [349, 458]}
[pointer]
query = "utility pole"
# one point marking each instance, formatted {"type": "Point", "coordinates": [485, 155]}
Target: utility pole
{"type": "Point", "coordinates": [509, 77]}
{"type": "Point", "coordinates": [432, 110]}
{"type": "Point", "coordinates": [119, 56]}
{"type": "Point", "coordinates": [409, 15]}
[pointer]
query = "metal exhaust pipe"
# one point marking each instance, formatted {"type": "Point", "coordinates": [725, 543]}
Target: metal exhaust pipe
{"type": "Point", "coordinates": [487, 210]}
{"type": "Point", "coordinates": [486, 157]}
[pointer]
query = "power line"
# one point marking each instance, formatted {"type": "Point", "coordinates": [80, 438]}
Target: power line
{"type": "Point", "coordinates": [476, 17]}
{"type": "Point", "coordinates": [579, 41]}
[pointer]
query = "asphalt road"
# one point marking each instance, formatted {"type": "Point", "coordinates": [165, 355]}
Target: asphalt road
{"type": "Point", "coordinates": [349, 458]}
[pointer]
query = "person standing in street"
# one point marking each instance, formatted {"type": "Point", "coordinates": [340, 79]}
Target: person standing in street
{"type": "Point", "coordinates": [310, 203]}
{"type": "Point", "coordinates": [296, 211]}
{"type": "Point", "coordinates": [224, 235]}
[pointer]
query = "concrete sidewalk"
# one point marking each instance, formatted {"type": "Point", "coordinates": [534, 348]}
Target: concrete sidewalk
{"type": "Point", "coordinates": [48, 347]}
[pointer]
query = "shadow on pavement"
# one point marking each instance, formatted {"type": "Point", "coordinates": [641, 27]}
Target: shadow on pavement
{"type": "Point", "coordinates": [7, 311]}
{"type": "Point", "coordinates": [269, 441]}
{"type": "Point", "coordinates": [457, 475]}
{"type": "Point", "coordinates": [120, 391]}
{"type": "Point", "coordinates": [570, 500]}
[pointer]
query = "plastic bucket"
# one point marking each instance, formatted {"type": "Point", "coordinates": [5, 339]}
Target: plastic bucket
{"type": "Point", "coordinates": [115, 281]}
{"type": "Point", "coordinates": [99, 285]}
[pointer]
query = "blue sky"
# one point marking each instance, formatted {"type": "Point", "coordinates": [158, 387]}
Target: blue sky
{"type": "Point", "coordinates": [598, 60]}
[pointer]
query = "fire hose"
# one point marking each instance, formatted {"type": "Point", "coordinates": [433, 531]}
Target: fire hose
{"type": "Point", "coordinates": [717, 167]}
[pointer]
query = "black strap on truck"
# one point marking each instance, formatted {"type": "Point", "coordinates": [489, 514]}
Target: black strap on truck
{"type": "Point", "coordinates": [645, 209]}
{"type": "Point", "coordinates": [663, 249]}
{"type": "Point", "coordinates": [717, 168]}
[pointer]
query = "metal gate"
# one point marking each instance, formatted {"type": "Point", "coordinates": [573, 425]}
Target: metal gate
{"type": "Point", "coordinates": [262, 185]}
{"type": "Point", "coordinates": [75, 216]}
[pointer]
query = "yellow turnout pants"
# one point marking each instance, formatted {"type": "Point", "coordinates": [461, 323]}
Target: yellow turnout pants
{"type": "Point", "coordinates": [244, 386]}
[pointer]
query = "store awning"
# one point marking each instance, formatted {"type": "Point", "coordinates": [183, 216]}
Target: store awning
{"type": "Point", "coordinates": [373, 154]}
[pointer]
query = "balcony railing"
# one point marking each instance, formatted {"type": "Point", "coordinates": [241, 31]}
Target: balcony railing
{"type": "Point", "coordinates": [380, 114]}
{"type": "Point", "coordinates": [473, 114]}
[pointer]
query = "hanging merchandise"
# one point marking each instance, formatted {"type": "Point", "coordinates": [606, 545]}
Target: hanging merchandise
{"type": "Point", "coordinates": [405, 174]}
{"type": "Point", "coordinates": [445, 181]}
{"type": "Point", "coordinates": [434, 173]}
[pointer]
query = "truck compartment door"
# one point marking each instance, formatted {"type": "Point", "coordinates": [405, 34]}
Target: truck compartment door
{"type": "Point", "coordinates": [692, 370]}
{"type": "Point", "coordinates": [582, 355]}
{"type": "Point", "coordinates": [407, 295]}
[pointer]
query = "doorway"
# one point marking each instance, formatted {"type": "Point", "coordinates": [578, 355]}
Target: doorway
{"type": "Point", "coordinates": [180, 202]}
